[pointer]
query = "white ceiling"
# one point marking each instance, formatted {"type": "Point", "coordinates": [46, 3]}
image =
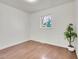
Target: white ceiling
{"type": "Point", "coordinates": [33, 7]}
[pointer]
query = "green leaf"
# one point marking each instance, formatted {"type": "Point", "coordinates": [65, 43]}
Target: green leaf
{"type": "Point", "coordinates": [70, 34]}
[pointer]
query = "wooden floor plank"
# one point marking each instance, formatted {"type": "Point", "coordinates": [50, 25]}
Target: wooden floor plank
{"type": "Point", "coordinates": [36, 50]}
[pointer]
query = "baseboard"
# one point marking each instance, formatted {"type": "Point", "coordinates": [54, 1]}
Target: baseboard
{"type": "Point", "coordinates": [7, 46]}
{"type": "Point", "coordinates": [32, 40]}
{"type": "Point", "coordinates": [50, 43]}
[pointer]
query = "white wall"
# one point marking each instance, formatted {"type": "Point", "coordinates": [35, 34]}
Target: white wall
{"type": "Point", "coordinates": [17, 26]}
{"type": "Point", "coordinates": [13, 26]}
{"type": "Point", "coordinates": [62, 16]}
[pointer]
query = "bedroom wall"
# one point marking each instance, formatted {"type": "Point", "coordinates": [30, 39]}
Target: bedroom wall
{"type": "Point", "coordinates": [62, 16]}
{"type": "Point", "coordinates": [17, 26]}
{"type": "Point", "coordinates": [13, 26]}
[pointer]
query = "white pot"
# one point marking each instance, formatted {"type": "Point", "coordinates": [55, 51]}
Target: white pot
{"type": "Point", "coordinates": [71, 49]}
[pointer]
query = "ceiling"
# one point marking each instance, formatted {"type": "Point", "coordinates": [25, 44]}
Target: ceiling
{"type": "Point", "coordinates": [34, 7]}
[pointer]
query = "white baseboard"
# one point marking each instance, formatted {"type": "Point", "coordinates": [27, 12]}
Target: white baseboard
{"type": "Point", "coordinates": [51, 43]}
{"type": "Point", "coordinates": [33, 40]}
{"type": "Point", "coordinates": [6, 46]}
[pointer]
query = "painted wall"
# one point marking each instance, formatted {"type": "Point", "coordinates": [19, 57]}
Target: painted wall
{"type": "Point", "coordinates": [62, 16]}
{"type": "Point", "coordinates": [17, 26]}
{"type": "Point", "coordinates": [13, 26]}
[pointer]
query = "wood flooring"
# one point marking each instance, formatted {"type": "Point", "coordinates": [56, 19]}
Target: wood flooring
{"type": "Point", "coordinates": [36, 50]}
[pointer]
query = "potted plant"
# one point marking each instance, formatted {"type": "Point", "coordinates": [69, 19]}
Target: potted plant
{"type": "Point", "coordinates": [70, 35]}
